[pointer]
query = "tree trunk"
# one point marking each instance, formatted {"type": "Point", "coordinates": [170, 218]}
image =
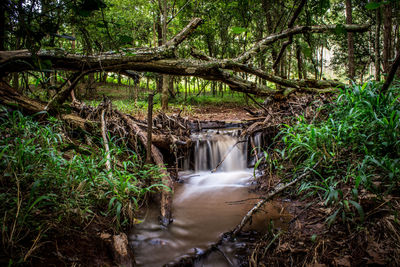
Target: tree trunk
{"type": "Point", "coordinates": [165, 83]}
{"type": "Point", "coordinates": [164, 92]}
{"type": "Point", "coordinates": [90, 85]}
{"type": "Point", "coordinates": [387, 37]}
{"type": "Point", "coordinates": [391, 74]}
{"type": "Point", "coordinates": [15, 81]}
{"type": "Point", "coordinates": [350, 41]}
{"type": "Point", "coordinates": [186, 87]}
{"type": "Point", "coordinates": [299, 61]}
{"type": "Point", "coordinates": [321, 62]}
{"type": "Point", "coordinates": [377, 46]}
{"type": "Point", "coordinates": [2, 28]}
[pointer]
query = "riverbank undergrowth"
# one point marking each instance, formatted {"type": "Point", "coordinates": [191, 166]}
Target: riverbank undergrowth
{"type": "Point", "coordinates": [51, 183]}
{"type": "Point", "coordinates": [349, 204]}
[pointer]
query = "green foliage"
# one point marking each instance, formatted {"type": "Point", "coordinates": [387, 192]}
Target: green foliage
{"type": "Point", "coordinates": [374, 5]}
{"type": "Point", "coordinates": [43, 187]}
{"type": "Point", "coordinates": [357, 147]}
{"type": "Point", "coordinates": [238, 30]}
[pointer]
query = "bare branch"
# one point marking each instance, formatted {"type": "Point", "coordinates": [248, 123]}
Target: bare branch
{"type": "Point", "coordinates": [262, 44]}
{"type": "Point", "coordinates": [179, 11]}
{"type": "Point", "coordinates": [187, 31]}
{"type": "Point", "coordinates": [290, 25]}
{"type": "Point", "coordinates": [392, 72]}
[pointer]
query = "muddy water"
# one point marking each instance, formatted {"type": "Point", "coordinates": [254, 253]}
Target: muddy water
{"type": "Point", "coordinates": [205, 205]}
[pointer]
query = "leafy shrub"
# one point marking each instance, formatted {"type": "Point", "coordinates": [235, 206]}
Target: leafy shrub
{"type": "Point", "coordinates": [357, 147]}
{"type": "Point", "coordinates": [42, 187]}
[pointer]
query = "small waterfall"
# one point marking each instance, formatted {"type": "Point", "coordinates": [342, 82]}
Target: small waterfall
{"type": "Point", "coordinates": [213, 146]}
{"type": "Point", "coordinates": [202, 202]}
{"type": "Point", "coordinates": [256, 142]}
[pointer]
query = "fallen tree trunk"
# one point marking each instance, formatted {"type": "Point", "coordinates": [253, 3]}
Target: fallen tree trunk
{"type": "Point", "coordinates": [10, 97]}
{"type": "Point", "coordinates": [163, 60]}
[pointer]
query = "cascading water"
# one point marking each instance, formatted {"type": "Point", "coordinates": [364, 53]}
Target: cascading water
{"type": "Point", "coordinates": [211, 148]}
{"type": "Point", "coordinates": [202, 204]}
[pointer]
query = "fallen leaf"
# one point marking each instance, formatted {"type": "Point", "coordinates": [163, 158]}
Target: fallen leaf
{"type": "Point", "coordinates": [345, 261]}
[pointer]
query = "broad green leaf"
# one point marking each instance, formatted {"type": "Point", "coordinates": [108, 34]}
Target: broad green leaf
{"type": "Point", "coordinates": [358, 208]}
{"type": "Point", "coordinates": [238, 30]}
{"type": "Point", "coordinates": [373, 5]}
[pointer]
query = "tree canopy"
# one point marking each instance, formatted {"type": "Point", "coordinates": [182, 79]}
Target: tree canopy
{"type": "Point", "coordinates": [257, 47]}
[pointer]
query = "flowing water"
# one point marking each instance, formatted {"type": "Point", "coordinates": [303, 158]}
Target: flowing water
{"type": "Point", "coordinates": [205, 205]}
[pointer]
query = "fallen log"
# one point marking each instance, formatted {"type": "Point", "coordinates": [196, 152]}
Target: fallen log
{"type": "Point", "coordinates": [10, 97]}
{"type": "Point", "coordinates": [163, 60]}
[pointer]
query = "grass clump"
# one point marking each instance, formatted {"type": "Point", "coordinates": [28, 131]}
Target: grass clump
{"type": "Point", "coordinates": [47, 185]}
{"type": "Point", "coordinates": [357, 146]}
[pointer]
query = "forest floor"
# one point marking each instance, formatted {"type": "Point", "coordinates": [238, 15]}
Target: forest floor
{"type": "Point", "coordinates": [309, 240]}
{"type": "Point", "coordinates": [209, 108]}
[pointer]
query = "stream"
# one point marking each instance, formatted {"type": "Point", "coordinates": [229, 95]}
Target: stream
{"type": "Point", "coordinates": [205, 205]}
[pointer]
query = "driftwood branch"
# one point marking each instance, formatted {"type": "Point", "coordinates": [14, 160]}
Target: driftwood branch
{"type": "Point", "coordinates": [105, 140]}
{"type": "Point", "coordinates": [226, 155]}
{"type": "Point", "coordinates": [278, 189]}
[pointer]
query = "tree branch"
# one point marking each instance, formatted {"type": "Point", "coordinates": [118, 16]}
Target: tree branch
{"type": "Point", "coordinates": [162, 60]}
{"type": "Point", "coordinates": [391, 74]}
{"type": "Point", "coordinates": [263, 43]}
{"type": "Point", "coordinates": [290, 25]}
{"type": "Point", "coordinates": [187, 31]}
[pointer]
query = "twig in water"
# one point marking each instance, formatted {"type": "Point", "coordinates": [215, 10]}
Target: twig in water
{"type": "Point", "coordinates": [226, 155]}
{"type": "Point", "coordinates": [106, 147]}
{"type": "Point", "coordinates": [246, 218]}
